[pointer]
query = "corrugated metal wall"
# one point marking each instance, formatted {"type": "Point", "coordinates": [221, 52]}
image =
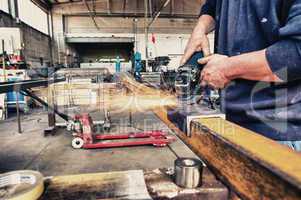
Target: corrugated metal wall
{"type": "Point", "coordinates": [82, 24]}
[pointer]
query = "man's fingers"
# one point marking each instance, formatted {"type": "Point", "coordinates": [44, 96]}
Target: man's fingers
{"type": "Point", "coordinates": [203, 83]}
{"type": "Point", "coordinates": [186, 56]}
{"type": "Point", "coordinates": [205, 60]}
{"type": "Point", "coordinates": [198, 44]}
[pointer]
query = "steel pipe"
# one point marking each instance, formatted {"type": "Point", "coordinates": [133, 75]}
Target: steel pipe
{"type": "Point", "coordinates": [188, 172]}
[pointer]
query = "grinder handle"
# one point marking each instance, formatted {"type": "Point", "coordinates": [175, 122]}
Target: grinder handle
{"type": "Point", "coordinates": [194, 59]}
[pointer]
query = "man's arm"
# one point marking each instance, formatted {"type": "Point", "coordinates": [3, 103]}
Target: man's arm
{"type": "Point", "coordinates": [279, 62]}
{"type": "Point", "coordinates": [221, 69]}
{"type": "Point", "coordinates": [251, 66]}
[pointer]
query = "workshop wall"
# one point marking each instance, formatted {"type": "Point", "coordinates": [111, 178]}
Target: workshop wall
{"type": "Point", "coordinates": [35, 44]}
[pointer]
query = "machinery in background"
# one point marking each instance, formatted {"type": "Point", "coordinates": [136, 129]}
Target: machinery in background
{"type": "Point", "coordinates": [159, 64]}
{"type": "Point", "coordinates": [137, 66]}
{"type": "Point", "coordinates": [109, 63]}
{"type": "Point", "coordinates": [12, 61]}
{"type": "Point", "coordinates": [12, 100]}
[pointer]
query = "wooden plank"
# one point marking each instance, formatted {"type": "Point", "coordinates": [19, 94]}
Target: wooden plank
{"type": "Point", "coordinates": [156, 184]}
{"type": "Point", "coordinates": [253, 166]}
{"type": "Point", "coordinates": [111, 185]}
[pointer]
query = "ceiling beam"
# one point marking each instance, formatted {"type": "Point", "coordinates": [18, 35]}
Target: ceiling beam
{"type": "Point", "coordinates": [109, 9]}
{"type": "Point", "coordinates": [105, 14]}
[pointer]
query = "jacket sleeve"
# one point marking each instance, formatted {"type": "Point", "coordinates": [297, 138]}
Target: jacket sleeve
{"type": "Point", "coordinates": [284, 56]}
{"type": "Point", "coordinates": [209, 8]}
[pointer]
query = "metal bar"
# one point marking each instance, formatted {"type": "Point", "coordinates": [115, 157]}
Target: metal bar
{"type": "Point", "coordinates": [62, 115]}
{"type": "Point", "coordinates": [91, 15]}
{"type": "Point", "coordinates": [18, 113]}
{"type": "Point", "coordinates": [155, 17]}
{"type": "Point", "coordinates": [253, 166]}
{"type": "Point", "coordinates": [21, 85]}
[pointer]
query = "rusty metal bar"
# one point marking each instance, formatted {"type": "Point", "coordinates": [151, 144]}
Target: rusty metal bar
{"type": "Point", "coordinates": [253, 166]}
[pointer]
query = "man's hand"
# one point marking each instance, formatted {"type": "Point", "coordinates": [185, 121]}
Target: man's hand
{"type": "Point", "coordinates": [198, 40]}
{"type": "Point", "coordinates": [215, 71]}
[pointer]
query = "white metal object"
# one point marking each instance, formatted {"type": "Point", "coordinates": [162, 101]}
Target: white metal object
{"type": "Point", "coordinates": [77, 143]}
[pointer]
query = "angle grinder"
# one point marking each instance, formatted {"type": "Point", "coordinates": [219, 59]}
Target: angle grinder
{"type": "Point", "coordinates": [187, 82]}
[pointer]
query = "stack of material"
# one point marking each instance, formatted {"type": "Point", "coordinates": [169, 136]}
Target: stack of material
{"type": "Point", "coordinates": [152, 78]}
{"type": "Point", "coordinates": [82, 92]}
{"type": "Point", "coordinates": [83, 88]}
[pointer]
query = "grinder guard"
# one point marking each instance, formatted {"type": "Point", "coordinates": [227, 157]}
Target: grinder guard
{"type": "Point", "coordinates": [187, 83]}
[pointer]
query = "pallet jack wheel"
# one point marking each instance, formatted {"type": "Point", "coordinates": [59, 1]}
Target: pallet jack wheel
{"type": "Point", "coordinates": [159, 145]}
{"type": "Point", "coordinates": [77, 143]}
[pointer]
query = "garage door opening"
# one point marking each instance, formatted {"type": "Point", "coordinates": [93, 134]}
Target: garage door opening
{"type": "Point", "coordinates": [98, 55]}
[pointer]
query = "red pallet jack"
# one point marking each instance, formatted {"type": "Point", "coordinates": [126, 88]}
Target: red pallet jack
{"type": "Point", "coordinates": [83, 131]}
{"type": "Point", "coordinates": [85, 138]}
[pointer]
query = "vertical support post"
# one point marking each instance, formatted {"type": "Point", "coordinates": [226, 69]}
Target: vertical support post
{"type": "Point", "coordinates": [16, 9]}
{"type": "Point", "coordinates": [50, 100]}
{"type": "Point", "coordinates": [3, 61]}
{"type": "Point", "coordinates": [130, 117]}
{"type": "Point", "coordinates": [51, 114]}
{"type": "Point", "coordinates": [130, 110]}
{"type": "Point", "coordinates": [49, 19]}
{"type": "Point", "coordinates": [146, 32]}
{"type": "Point", "coordinates": [135, 31]}
{"type": "Point", "coordinates": [4, 109]}
{"type": "Point", "coordinates": [9, 7]}
{"type": "Point", "coordinates": [18, 112]}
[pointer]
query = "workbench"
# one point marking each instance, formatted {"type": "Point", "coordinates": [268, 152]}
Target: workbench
{"type": "Point", "coordinates": [251, 165]}
{"type": "Point", "coordinates": [130, 185]}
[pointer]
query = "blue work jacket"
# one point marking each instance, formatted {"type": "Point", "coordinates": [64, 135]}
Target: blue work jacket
{"type": "Point", "coordinates": [242, 26]}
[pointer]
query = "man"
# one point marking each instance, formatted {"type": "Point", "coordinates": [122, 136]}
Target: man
{"type": "Point", "coordinates": [257, 63]}
{"type": "Point", "coordinates": [117, 64]}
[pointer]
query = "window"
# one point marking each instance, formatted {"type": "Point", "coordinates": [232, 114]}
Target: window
{"type": "Point", "coordinates": [4, 6]}
{"type": "Point", "coordinates": [32, 15]}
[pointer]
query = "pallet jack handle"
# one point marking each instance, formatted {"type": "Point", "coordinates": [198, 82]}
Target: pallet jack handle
{"type": "Point", "coordinates": [65, 117]}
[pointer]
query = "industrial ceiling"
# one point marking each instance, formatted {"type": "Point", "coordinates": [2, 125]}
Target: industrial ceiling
{"type": "Point", "coordinates": [183, 8]}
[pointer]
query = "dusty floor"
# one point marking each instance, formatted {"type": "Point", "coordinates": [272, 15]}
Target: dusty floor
{"type": "Point", "coordinates": [53, 155]}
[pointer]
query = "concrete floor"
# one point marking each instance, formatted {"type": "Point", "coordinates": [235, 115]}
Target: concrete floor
{"type": "Point", "coordinates": [53, 155]}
